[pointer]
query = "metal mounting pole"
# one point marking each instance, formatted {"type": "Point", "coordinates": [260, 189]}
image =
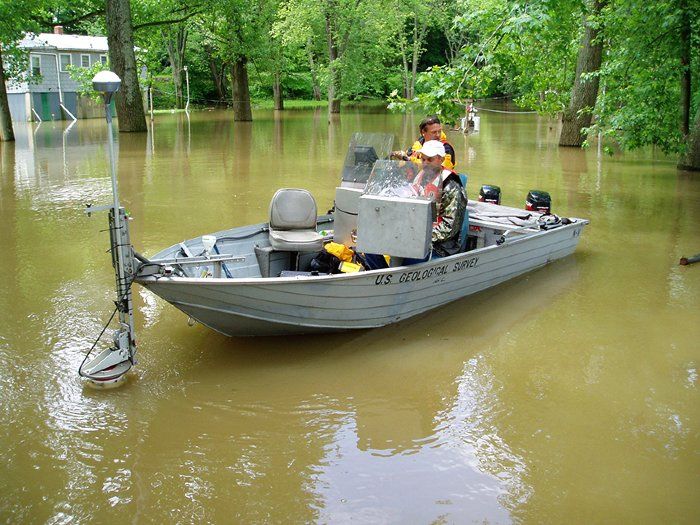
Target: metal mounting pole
{"type": "Point", "coordinates": [109, 367]}
{"type": "Point", "coordinates": [187, 82]}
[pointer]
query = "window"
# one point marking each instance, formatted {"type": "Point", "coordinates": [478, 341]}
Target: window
{"type": "Point", "coordinates": [36, 65]}
{"type": "Point", "coordinates": [84, 60]}
{"type": "Point", "coordinates": [65, 60]}
{"type": "Point", "coordinates": [103, 59]}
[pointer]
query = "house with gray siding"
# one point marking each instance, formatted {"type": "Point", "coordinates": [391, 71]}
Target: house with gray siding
{"type": "Point", "coordinates": [55, 96]}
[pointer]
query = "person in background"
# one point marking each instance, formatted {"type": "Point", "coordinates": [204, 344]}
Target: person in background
{"type": "Point", "coordinates": [430, 129]}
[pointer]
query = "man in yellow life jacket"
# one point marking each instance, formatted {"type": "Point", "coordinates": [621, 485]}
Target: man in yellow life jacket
{"type": "Point", "coordinates": [430, 129]}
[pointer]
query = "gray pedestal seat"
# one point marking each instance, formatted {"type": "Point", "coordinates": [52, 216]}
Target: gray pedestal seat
{"type": "Point", "coordinates": [292, 229]}
{"type": "Point", "coordinates": [293, 222]}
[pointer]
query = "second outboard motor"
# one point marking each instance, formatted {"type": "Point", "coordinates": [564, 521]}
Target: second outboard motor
{"type": "Point", "coordinates": [490, 194]}
{"type": "Point", "coordinates": [538, 201]}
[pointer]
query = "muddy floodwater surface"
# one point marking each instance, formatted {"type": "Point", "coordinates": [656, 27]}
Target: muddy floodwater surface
{"type": "Point", "coordinates": [568, 395]}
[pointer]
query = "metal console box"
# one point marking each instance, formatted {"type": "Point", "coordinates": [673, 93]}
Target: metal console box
{"type": "Point", "coordinates": [396, 226]}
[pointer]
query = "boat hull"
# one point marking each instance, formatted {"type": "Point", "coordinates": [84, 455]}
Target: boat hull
{"type": "Point", "coordinates": [298, 305]}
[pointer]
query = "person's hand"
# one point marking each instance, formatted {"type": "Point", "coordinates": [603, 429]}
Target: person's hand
{"type": "Point", "coordinates": [398, 155]}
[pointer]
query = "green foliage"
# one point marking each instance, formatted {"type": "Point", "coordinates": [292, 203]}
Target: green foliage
{"type": "Point", "coordinates": [16, 18]}
{"type": "Point", "coordinates": [369, 35]}
{"type": "Point", "coordinates": [528, 51]}
{"type": "Point", "coordinates": [291, 104]}
{"type": "Point", "coordinates": [276, 36]}
{"type": "Point", "coordinates": [84, 75]}
{"type": "Point", "coordinates": [471, 49]}
{"type": "Point", "coordinates": [639, 100]}
{"type": "Point", "coordinates": [16, 64]}
{"type": "Point", "coordinates": [502, 50]}
{"type": "Point", "coordinates": [163, 91]}
{"type": "Point", "coordinates": [367, 63]}
{"type": "Point", "coordinates": [19, 16]}
{"type": "Point", "coordinates": [437, 88]}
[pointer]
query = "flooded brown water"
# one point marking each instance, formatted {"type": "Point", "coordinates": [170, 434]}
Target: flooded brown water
{"type": "Point", "coordinates": [569, 395]}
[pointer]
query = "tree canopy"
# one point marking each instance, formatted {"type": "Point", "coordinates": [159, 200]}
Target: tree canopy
{"type": "Point", "coordinates": [436, 55]}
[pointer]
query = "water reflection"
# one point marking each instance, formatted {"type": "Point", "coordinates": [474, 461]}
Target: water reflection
{"type": "Point", "coordinates": [335, 427]}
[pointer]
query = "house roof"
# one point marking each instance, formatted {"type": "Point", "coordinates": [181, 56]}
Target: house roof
{"type": "Point", "coordinates": [51, 41]}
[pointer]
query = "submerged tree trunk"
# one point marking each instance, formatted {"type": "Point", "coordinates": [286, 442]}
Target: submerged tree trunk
{"type": "Point", "coordinates": [277, 91]}
{"type": "Point", "coordinates": [6, 131]}
{"type": "Point", "coordinates": [219, 77]}
{"type": "Point", "coordinates": [334, 81]}
{"type": "Point", "coordinates": [240, 91]}
{"type": "Point", "coordinates": [312, 67]}
{"type": "Point", "coordinates": [585, 91]}
{"type": "Point", "coordinates": [685, 36]}
{"type": "Point", "coordinates": [176, 42]}
{"type": "Point", "coordinates": [333, 101]}
{"type": "Point", "coordinates": [418, 36]}
{"type": "Point", "coordinates": [218, 74]}
{"type": "Point", "coordinates": [123, 62]}
{"type": "Point", "coordinates": [404, 63]}
{"type": "Point", "coordinates": [691, 159]}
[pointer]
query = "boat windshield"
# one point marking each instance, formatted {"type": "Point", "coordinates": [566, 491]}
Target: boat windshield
{"type": "Point", "coordinates": [364, 150]}
{"type": "Point", "coordinates": [397, 178]}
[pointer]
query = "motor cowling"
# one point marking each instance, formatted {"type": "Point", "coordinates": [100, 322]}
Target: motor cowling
{"type": "Point", "coordinates": [489, 193]}
{"type": "Point", "coordinates": [539, 201]}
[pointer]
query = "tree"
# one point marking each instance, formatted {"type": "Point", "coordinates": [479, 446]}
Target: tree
{"type": "Point", "coordinates": [269, 57]}
{"type": "Point", "coordinates": [505, 47]}
{"type": "Point", "coordinates": [240, 33]}
{"type": "Point", "coordinates": [690, 160]}
{"type": "Point", "coordinates": [122, 59]}
{"type": "Point", "coordinates": [313, 68]}
{"type": "Point", "coordinates": [652, 54]}
{"type": "Point", "coordinates": [336, 40]}
{"type": "Point", "coordinates": [175, 38]}
{"type": "Point", "coordinates": [298, 24]}
{"type": "Point", "coordinates": [686, 73]}
{"type": "Point", "coordinates": [16, 17]}
{"type": "Point", "coordinates": [350, 44]}
{"type": "Point", "coordinates": [414, 19]}
{"type": "Point", "coordinates": [165, 25]}
{"type": "Point", "coordinates": [217, 68]}
{"type": "Point", "coordinates": [240, 90]}
{"type": "Point", "coordinates": [579, 114]}
{"type": "Point", "coordinates": [6, 130]}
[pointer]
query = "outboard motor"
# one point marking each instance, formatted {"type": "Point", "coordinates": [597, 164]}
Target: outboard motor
{"type": "Point", "coordinates": [490, 194]}
{"type": "Point", "coordinates": [538, 201]}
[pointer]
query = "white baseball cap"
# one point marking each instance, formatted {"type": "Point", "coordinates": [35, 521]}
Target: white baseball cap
{"type": "Point", "coordinates": [432, 148]}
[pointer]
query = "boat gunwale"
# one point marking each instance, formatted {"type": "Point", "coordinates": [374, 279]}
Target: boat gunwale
{"type": "Point", "coordinates": [220, 281]}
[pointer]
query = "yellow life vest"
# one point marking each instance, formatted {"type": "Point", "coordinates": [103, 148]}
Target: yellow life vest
{"type": "Point", "coordinates": [447, 163]}
{"type": "Point", "coordinates": [415, 150]}
{"type": "Point", "coordinates": [341, 251]}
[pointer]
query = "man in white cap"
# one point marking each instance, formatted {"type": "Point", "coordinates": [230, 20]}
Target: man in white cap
{"type": "Point", "coordinates": [445, 188]}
